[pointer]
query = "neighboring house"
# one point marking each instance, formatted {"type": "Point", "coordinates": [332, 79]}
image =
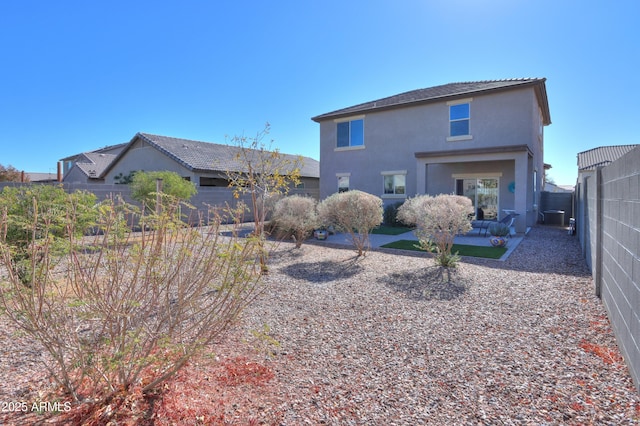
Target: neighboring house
{"type": "Point", "coordinates": [483, 139]}
{"type": "Point", "coordinates": [552, 187]}
{"type": "Point", "coordinates": [88, 167]}
{"type": "Point", "coordinates": [36, 177]}
{"type": "Point", "coordinates": [588, 164]}
{"type": "Point", "coordinates": [590, 160]}
{"type": "Point", "coordinates": [203, 163]}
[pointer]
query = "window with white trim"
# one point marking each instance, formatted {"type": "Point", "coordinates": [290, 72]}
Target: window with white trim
{"type": "Point", "coordinates": [350, 133]}
{"type": "Point", "coordinates": [394, 183]}
{"type": "Point", "coordinates": [459, 118]}
{"type": "Point", "coordinates": [343, 183]}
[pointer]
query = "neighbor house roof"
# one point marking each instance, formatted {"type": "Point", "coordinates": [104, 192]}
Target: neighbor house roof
{"type": "Point", "coordinates": [42, 177]}
{"type": "Point", "coordinates": [109, 149]}
{"type": "Point", "coordinates": [446, 91]}
{"type": "Point", "coordinates": [209, 157]}
{"type": "Point", "coordinates": [93, 164]}
{"type": "Point", "coordinates": [602, 156]}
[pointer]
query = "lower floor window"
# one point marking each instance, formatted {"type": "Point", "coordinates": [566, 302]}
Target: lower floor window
{"type": "Point", "coordinates": [343, 183]}
{"type": "Point", "coordinates": [394, 184]}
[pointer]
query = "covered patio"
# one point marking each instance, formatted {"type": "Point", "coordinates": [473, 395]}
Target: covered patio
{"type": "Point", "coordinates": [499, 180]}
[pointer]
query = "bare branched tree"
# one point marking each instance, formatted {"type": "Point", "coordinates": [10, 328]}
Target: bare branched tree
{"type": "Point", "coordinates": [264, 173]}
{"type": "Point", "coordinates": [11, 174]}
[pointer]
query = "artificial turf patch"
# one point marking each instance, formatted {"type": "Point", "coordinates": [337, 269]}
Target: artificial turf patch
{"type": "Point", "coordinates": [462, 249]}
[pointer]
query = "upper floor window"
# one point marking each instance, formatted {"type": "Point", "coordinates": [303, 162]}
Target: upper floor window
{"type": "Point", "coordinates": [459, 116]}
{"type": "Point", "coordinates": [350, 133]}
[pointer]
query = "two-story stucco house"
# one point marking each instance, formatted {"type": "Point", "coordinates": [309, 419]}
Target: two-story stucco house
{"type": "Point", "coordinates": [482, 139]}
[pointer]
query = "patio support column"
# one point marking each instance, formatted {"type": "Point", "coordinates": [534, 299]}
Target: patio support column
{"type": "Point", "coordinates": [522, 188]}
{"type": "Point", "coordinates": [421, 177]}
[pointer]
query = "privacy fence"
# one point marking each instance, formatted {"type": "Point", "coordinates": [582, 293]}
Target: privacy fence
{"type": "Point", "coordinates": [205, 198]}
{"type": "Point", "coordinates": [608, 226]}
{"type": "Point", "coordinates": [556, 208]}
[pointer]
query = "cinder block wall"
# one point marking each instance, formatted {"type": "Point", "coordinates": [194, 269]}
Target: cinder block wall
{"type": "Point", "coordinates": [610, 198]}
{"type": "Point", "coordinates": [204, 198]}
{"type": "Point", "coordinates": [620, 287]}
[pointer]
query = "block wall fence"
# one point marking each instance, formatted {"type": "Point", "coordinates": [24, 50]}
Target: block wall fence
{"type": "Point", "coordinates": [608, 226]}
{"type": "Point", "coordinates": [205, 197]}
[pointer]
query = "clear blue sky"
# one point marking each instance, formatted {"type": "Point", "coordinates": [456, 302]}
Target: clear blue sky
{"type": "Point", "coordinates": [79, 75]}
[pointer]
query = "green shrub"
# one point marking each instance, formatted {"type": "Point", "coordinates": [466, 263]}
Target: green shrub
{"type": "Point", "coordinates": [174, 189]}
{"type": "Point", "coordinates": [499, 229]}
{"type": "Point", "coordinates": [391, 214]}
{"type": "Point", "coordinates": [32, 213]}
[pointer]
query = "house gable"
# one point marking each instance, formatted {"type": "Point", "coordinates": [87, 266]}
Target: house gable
{"type": "Point", "coordinates": [88, 166]}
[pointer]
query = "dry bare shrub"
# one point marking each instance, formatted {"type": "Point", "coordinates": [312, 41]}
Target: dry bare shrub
{"type": "Point", "coordinates": [125, 311]}
{"type": "Point", "coordinates": [353, 212]}
{"type": "Point", "coordinates": [297, 215]}
{"type": "Point", "coordinates": [438, 220]}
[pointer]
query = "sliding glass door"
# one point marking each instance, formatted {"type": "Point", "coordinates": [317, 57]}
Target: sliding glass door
{"type": "Point", "coordinates": [483, 193]}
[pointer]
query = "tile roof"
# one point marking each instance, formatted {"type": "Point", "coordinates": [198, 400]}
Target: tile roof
{"type": "Point", "coordinates": [602, 156]}
{"type": "Point", "coordinates": [112, 149]}
{"type": "Point", "coordinates": [212, 157]}
{"type": "Point", "coordinates": [42, 177]}
{"type": "Point", "coordinates": [93, 164]}
{"type": "Point", "coordinates": [437, 93]}
{"type": "Point", "coordinates": [109, 149]}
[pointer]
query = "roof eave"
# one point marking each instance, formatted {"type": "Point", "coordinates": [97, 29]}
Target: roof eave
{"type": "Point", "coordinates": [338, 115]}
{"type": "Point", "coordinates": [475, 151]}
{"type": "Point", "coordinates": [541, 93]}
{"type": "Point", "coordinates": [538, 83]}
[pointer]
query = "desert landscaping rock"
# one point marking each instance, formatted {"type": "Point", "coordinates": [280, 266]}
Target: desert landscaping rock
{"type": "Point", "coordinates": [382, 340]}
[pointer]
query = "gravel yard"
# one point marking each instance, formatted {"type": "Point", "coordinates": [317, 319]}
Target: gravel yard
{"type": "Point", "coordinates": [382, 340]}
